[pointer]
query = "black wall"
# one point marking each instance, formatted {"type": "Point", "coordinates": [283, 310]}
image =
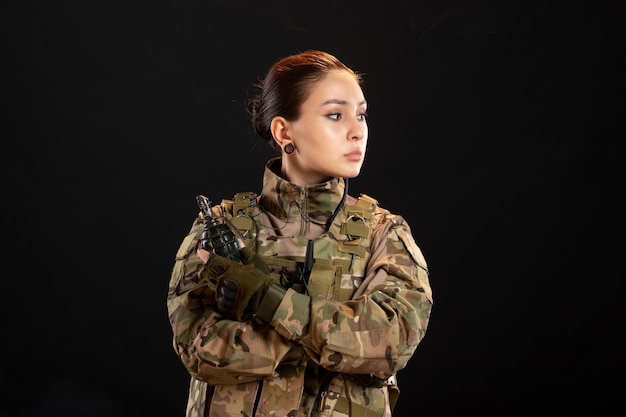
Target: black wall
{"type": "Point", "coordinates": [492, 131]}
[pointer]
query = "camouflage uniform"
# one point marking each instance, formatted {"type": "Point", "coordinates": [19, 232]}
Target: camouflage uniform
{"type": "Point", "coordinates": [333, 348]}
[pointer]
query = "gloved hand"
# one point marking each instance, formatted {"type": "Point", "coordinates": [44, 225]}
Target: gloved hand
{"type": "Point", "coordinates": [249, 257]}
{"type": "Point", "coordinates": [244, 291]}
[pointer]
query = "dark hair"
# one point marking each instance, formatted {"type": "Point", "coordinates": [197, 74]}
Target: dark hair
{"type": "Point", "coordinates": [287, 85]}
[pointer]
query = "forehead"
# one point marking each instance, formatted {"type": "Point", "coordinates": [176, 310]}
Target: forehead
{"type": "Point", "coordinates": [336, 85]}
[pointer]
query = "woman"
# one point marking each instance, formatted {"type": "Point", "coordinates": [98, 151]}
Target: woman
{"type": "Point", "coordinates": [329, 295]}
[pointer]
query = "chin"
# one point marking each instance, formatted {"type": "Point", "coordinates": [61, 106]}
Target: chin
{"type": "Point", "coordinates": [352, 174]}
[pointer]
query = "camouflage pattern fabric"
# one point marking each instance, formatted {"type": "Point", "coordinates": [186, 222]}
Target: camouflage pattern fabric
{"type": "Point", "coordinates": [333, 348]}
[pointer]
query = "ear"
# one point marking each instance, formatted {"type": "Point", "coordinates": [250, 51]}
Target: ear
{"type": "Point", "coordinates": [279, 129]}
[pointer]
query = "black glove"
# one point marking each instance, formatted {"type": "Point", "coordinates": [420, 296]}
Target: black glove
{"type": "Point", "coordinates": [244, 291]}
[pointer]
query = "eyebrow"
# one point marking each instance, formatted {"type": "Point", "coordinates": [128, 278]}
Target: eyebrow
{"type": "Point", "coordinates": [341, 102]}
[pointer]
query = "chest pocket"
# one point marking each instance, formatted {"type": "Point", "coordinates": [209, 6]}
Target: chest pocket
{"type": "Point", "coordinates": [326, 280]}
{"type": "Point", "coordinates": [323, 280]}
{"type": "Point", "coordinates": [329, 277]}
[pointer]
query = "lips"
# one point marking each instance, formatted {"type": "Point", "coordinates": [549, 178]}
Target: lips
{"type": "Point", "coordinates": [354, 155]}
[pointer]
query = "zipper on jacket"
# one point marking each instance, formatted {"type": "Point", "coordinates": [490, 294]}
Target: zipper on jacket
{"type": "Point", "coordinates": [304, 211]}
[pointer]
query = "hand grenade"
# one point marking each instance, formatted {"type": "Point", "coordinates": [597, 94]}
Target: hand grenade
{"type": "Point", "coordinates": [216, 237]}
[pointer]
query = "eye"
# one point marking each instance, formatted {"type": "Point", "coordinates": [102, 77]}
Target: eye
{"type": "Point", "coordinates": [361, 116]}
{"type": "Point", "coordinates": [334, 116]}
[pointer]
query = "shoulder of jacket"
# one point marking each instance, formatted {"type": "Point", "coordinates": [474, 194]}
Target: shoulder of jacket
{"type": "Point", "coordinates": [396, 225]}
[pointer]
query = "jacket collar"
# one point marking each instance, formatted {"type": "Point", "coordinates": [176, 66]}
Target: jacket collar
{"type": "Point", "coordinates": [290, 202]}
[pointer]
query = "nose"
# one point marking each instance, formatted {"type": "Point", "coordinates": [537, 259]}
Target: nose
{"type": "Point", "coordinates": [358, 129]}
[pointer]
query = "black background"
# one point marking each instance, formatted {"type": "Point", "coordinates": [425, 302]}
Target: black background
{"type": "Point", "coordinates": [492, 131]}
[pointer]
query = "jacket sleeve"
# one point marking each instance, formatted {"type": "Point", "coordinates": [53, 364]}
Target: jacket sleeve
{"type": "Point", "coordinates": [378, 330]}
{"type": "Point", "coordinates": [213, 349]}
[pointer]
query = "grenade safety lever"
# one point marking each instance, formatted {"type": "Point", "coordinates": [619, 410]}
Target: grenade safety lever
{"type": "Point", "coordinates": [216, 237]}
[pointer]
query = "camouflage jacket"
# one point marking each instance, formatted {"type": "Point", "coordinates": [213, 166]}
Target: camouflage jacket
{"type": "Point", "coordinates": [332, 349]}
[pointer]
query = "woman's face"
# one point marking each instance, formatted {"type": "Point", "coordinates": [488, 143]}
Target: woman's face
{"type": "Point", "coordinates": [330, 135]}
